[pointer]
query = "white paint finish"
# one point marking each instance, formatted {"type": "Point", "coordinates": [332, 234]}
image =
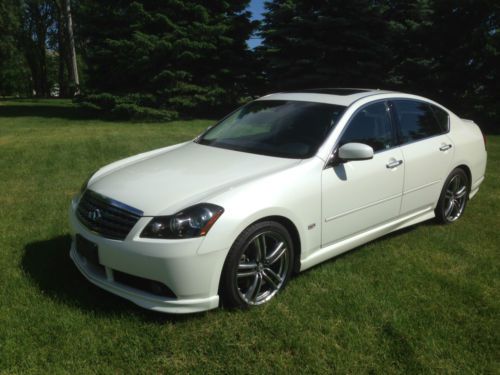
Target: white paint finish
{"type": "Point", "coordinates": [148, 301]}
{"type": "Point", "coordinates": [360, 194]}
{"type": "Point", "coordinates": [294, 193]}
{"type": "Point", "coordinates": [350, 204]}
{"type": "Point", "coordinates": [113, 167]}
{"type": "Point", "coordinates": [184, 176]}
{"type": "Point", "coordinates": [346, 244]}
{"type": "Point", "coordinates": [172, 262]}
{"type": "Point", "coordinates": [355, 151]}
{"type": "Point", "coordinates": [426, 169]}
{"type": "Point", "coordinates": [475, 187]}
{"type": "Point", "coordinates": [469, 147]}
{"type": "Point", "coordinates": [344, 100]}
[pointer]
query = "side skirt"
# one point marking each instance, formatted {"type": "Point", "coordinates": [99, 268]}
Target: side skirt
{"type": "Point", "coordinates": [475, 187]}
{"type": "Point", "coordinates": [361, 238]}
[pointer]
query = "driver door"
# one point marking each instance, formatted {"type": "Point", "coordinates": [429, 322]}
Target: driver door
{"type": "Point", "coordinates": [359, 195]}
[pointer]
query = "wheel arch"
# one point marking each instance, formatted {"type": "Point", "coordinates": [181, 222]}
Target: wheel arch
{"type": "Point", "coordinates": [467, 171]}
{"type": "Point", "coordinates": [440, 211]}
{"type": "Point", "coordinates": [294, 233]}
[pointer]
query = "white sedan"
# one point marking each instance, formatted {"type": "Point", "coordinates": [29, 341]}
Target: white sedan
{"type": "Point", "coordinates": [278, 186]}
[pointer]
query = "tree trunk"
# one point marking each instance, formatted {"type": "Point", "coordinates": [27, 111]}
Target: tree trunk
{"type": "Point", "coordinates": [63, 65]}
{"type": "Point", "coordinates": [43, 74]}
{"type": "Point", "coordinates": [40, 18]}
{"type": "Point", "coordinates": [35, 74]}
{"type": "Point", "coordinates": [35, 56]}
{"type": "Point", "coordinates": [75, 81]}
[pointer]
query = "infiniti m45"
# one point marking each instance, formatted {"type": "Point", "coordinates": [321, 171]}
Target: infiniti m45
{"type": "Point", "coordinates": [279, 185]}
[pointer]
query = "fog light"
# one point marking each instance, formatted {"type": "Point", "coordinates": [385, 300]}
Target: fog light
{"type": "Point", "coordinates": [160, 289]}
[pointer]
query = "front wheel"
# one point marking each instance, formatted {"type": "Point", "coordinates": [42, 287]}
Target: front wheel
{"type": "Point", "coordinates": [453, 199]}
{"type": "Point", "coordinates": [258, 265]}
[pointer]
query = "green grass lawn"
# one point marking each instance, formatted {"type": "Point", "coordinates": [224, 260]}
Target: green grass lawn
{"type": "Point", "coordinates": [422, 300]}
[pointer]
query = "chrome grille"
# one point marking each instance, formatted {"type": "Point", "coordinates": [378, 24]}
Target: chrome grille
{"type": "Point", "coordinates": [103, 215]}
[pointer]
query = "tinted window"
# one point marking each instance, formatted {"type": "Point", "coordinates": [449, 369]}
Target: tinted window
{"type": "Point", "coordinates": [441, 117]}
{"type": "Point", "coordinates": [291, 129]}
{"type": "Point", "coordinates": [416, 120]}
{"type": "Point", "coordinates": [371, 126]}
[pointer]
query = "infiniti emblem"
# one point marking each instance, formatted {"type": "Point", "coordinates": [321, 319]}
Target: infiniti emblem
{"type": "Point", "coordinates": [94, 215]}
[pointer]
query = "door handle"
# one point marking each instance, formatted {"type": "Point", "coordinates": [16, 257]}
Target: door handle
{"type": "Point", "coordinates": [445, 147]}
{"type": "Point", "coordinates": [394, 164]}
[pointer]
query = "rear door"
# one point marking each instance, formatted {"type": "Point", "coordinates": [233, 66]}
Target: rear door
{"type": "Point", "coordinates": [427, 152]}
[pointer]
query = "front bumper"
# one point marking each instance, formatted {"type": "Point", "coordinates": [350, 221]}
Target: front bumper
{"type": "Point", "coordinates": [192, 277]}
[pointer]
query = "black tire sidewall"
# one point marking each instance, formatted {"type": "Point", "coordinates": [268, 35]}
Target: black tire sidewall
{"type": "Point", "coordinates": [230, 297]}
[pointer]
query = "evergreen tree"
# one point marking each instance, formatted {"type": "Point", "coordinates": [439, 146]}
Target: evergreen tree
{"type": "Point", "coordinates": [449, 51]}
{"type": "Point", "coordinates": [189, 55]}
{"type": "Point", "coordinates": [325, 43]}
{"type": "Point", "coordinates": [468, 36]}
{"type": "Point", "coordinates": [410, 27]}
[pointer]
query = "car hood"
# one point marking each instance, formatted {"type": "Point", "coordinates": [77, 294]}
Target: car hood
{"type": "Point", "coordinates": [178, 177]}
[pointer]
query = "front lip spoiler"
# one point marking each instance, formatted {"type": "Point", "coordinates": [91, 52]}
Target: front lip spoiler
{"type": "Point", "coordinates": [145, 300]}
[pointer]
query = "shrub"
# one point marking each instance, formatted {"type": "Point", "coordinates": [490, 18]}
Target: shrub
{"type": "Point", "coordinates": [137, 107]}
{"type": "Point", "coordinates": [104, 101]}
{"type": "Point", "coordinates": [128, 111]}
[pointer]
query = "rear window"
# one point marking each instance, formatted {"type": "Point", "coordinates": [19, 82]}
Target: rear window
{"type": "Point", "coordinates": [417, 120]}
{"type": "Point", "coordinates": [442, 118]}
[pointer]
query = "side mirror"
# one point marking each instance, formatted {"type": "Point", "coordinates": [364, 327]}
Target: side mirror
{"type": "Point", "coordinates": [355, 151]}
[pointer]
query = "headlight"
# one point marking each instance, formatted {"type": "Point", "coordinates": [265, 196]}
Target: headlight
{"type": "Point", "coordinates": [194, 221]}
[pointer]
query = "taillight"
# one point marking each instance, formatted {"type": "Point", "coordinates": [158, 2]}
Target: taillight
{"type": "Point", "coordinates": [484, 139]}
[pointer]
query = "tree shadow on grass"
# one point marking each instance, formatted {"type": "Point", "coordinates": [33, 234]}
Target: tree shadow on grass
{"type": "Point", "coordinates": [47, 110]}
{"type": "Point", "coordinates": [49, 266]}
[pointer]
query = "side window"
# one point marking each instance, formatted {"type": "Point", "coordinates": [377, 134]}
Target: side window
{"type": "Point", "coordinates": [416, 120]}
{"type": "Point", "coordinates": [442, 118]}
{"type": "Point", "coordinates": [371, 126]}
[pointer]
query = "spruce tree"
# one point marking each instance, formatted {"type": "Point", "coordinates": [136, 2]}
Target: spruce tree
{"type": "Point", "coordinates": [449, 51]}
{"type": "Point", "coordinates": [186, 55]}
{"type": "Point", "coordinates": [325, 43]}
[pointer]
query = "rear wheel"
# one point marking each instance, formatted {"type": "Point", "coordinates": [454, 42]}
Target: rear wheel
{"type": "Point", "coordinates": [454, 196]}
{"type": "Point", "coordinates": [258, 266]}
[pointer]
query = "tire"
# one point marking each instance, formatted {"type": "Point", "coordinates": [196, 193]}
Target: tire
{"type": "Point", "coordinates": [453, 198]}
{"type": "Point", "coordinates": [258, 266]}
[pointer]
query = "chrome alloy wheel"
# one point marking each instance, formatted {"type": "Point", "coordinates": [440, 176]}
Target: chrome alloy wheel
{"type": "Point", "coordinates": [263, 267]}
{"type": "Point", "coordinates": [455, 198]}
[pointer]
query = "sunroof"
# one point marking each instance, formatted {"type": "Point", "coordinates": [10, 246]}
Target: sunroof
{"type": "Point", "coordinates": [332, 91]}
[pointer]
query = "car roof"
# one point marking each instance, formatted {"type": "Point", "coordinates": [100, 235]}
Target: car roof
{"type": "Point", "coordinates": [338, 96]}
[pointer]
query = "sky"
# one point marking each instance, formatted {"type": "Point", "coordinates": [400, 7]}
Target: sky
{"type": "Point", "coordinates": [257, 8]}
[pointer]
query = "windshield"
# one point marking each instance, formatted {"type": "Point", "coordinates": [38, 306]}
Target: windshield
{"type": "Point", "coordinates": [290, 129]}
